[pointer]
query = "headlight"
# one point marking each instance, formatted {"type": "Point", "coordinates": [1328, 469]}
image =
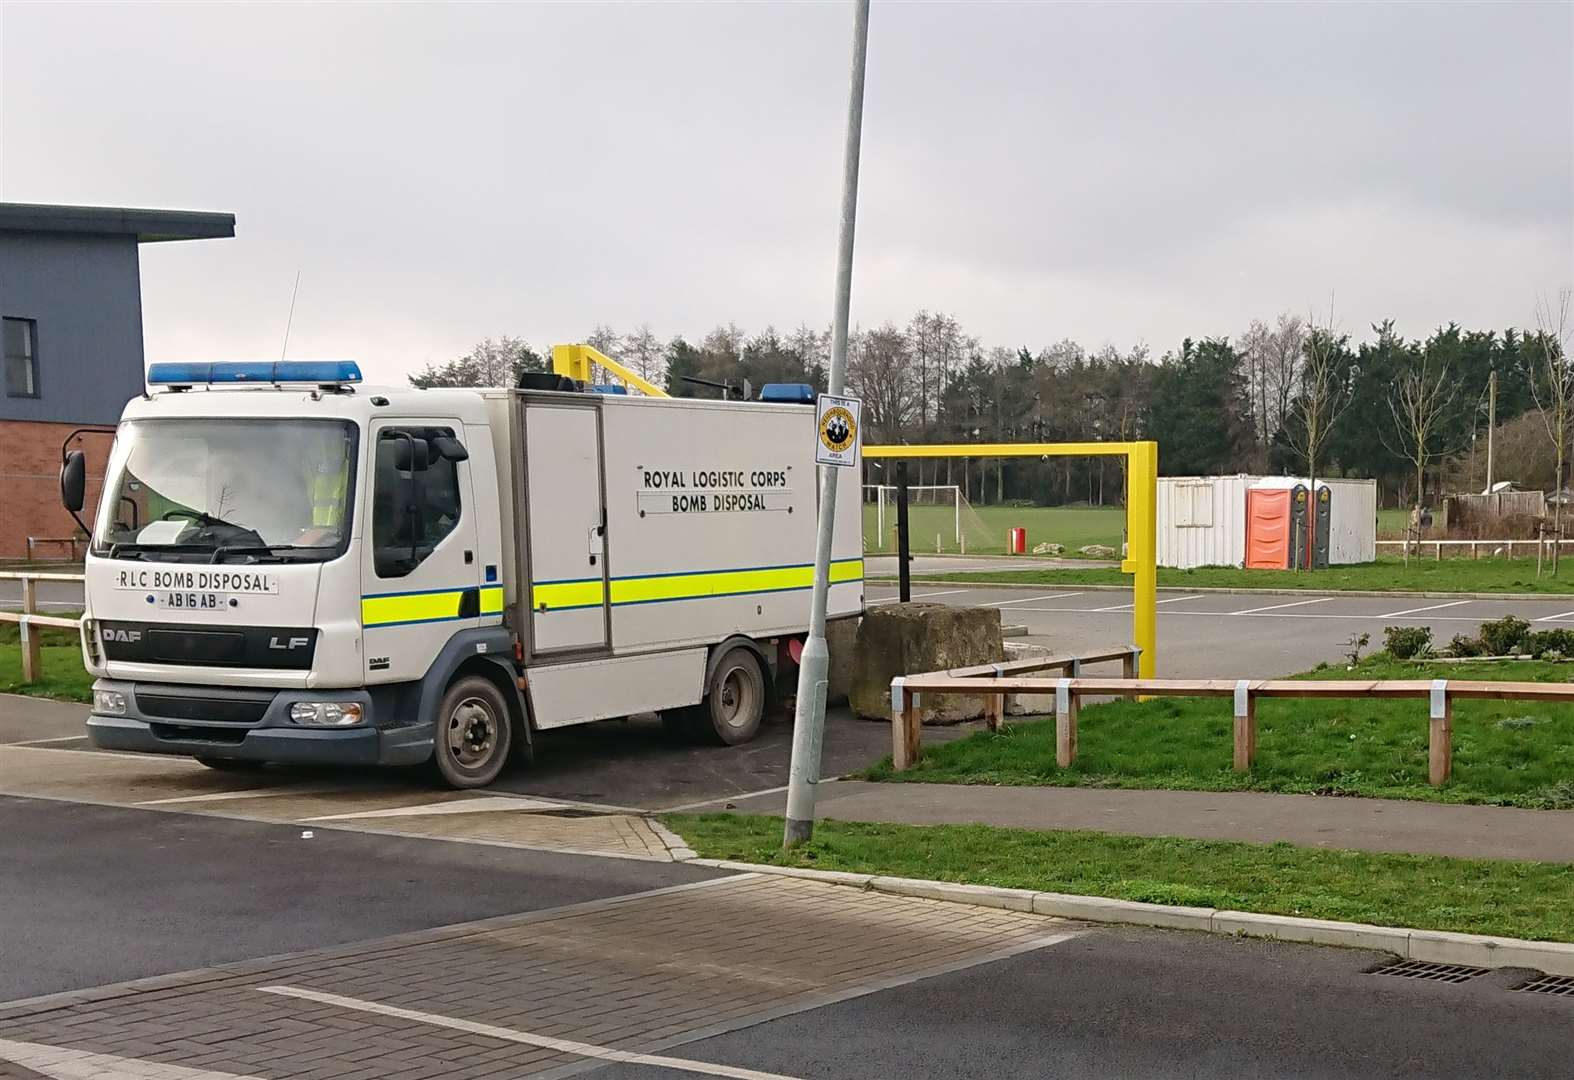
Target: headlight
{"type": "Point", "coordinates": [109, 702]}
{"type": "Point", "coordinates": [325, 713]}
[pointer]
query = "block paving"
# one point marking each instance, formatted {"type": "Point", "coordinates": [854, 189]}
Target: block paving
{"type": "Point", "coordinates": [636, 973]}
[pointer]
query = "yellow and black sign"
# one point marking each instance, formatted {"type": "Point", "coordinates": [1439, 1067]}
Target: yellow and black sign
{"type": "Point", "coordinates": [837, 430]}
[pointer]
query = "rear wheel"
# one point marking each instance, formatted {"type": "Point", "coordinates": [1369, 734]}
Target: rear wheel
{"type": "Point", "coordinates": [734, 705]}
{"type": "Point", "coordinates": [220, 764]}
{"type": "Point", "coordinates": [474, 733]}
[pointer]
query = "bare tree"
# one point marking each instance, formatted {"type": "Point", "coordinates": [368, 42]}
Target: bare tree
{"type": "Point", "coordinates": [489, 363]}
{"type": "Point", "coordinates": [1322, 393]}
{"type": "Point", "coordinates": [1272, 356]}
{"type": "Point", "coordinates": [879, 371]}
{"type": "Point", "coordinates": [1553, 387]}
{"type": "Point", "coordinates": [643, 352]}
{"type": "Point", "coordinates": [1419, 400]}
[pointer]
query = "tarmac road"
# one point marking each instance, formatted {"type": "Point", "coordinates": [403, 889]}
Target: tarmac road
{"type": "Point", "coordinates": [94, 893]}
{"type": "Point", "coordinates": [1231, 635]}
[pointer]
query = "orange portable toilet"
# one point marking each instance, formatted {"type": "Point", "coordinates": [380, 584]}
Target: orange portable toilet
{"type": "Point", "coordinates": [1268, 523]}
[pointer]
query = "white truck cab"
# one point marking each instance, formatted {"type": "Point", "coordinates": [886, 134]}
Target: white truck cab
{"type": "Point", "coordinates": [287, 565]}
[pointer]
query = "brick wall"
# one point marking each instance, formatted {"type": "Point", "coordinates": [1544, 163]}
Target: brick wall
{"type": "Point", "coordinates": [30, 484]}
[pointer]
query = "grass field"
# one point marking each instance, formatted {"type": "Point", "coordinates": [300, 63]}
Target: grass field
{"type": "Point", "coordinates": [64, 676]}
{"type": "Point", "coordinates": [984, 527]}
{"type": "Point", "coordinates": [1507, 753]}
{"type": "Point", "coordinates": [1385, 575]}
{"type": "Point", "coordinates": [1518, 899]}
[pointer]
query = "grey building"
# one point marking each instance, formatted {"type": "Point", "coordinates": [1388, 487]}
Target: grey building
{"type": "Point", "coordinates": [71, 305]}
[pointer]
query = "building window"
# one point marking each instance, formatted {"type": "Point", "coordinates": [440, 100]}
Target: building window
{"type": "Point", "coordinates": [21, 358]}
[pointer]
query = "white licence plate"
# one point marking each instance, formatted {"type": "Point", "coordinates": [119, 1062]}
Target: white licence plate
{"type": "Point", "coordinates": [191, 601]}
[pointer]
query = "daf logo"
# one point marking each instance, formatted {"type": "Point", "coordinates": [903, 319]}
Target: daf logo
{"type": "Point", "coordinates": [128, 637]}
{"type": "Point", "coordinates": [292, 643]}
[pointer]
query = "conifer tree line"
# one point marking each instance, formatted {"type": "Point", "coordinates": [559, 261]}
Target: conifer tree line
{"type": "Point", "coordinates": [1409, 412]}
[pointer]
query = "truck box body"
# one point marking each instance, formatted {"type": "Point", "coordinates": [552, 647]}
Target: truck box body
{"type": "Point", "coordinates": [591, 550]}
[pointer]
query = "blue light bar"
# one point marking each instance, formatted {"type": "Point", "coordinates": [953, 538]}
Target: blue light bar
{"type": "Point", "coordinates": [320, 372]}
{"type": "Point", "coordinates": [609, 388]}
{"type": "Point", "coordinates": [787, 393]}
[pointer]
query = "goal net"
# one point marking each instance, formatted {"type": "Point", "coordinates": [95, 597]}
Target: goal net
{"type": "Point", "coordinates": [939, 519]}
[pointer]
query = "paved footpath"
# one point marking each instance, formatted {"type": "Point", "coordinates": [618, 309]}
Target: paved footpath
{"type": "Point", "coordinates": [1477, 832]}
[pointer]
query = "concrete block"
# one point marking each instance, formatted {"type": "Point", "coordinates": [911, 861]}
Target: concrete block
{"type": "Point", "coordinates": [1442, 947]}
{"type": "Point", "coordinates": [1315, 931]}
{"type": "Point", "coordinates": [909, 639]}
{"type": "Point", "coordinates": [1102, 909]}
{"type": "Point", "coordinates": [841, 638]}
{"type": "Point", "coordinates": [977, 895]}
{"type": "Point", "coordinates": [1031, 704]}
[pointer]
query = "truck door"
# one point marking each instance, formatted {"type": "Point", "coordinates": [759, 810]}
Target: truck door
{"type": "Point", "coordinates": [420, 579]}
{"type": "Point", "coordinates": [565, 527]}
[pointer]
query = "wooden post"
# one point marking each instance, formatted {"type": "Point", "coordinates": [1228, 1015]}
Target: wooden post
{"type": "Point", "coordinates": [1065, 724]}
{"type": "Point", "coordinates": [995, 705]}
{"type": "Point", "coordinates": [32, 661]}
{"type": "Point", "coordinates": [1245, 727]}
{"type": "Point", "coordinates": [1440, 741]}
{"type": "Point", "coordinates": [906, 731]}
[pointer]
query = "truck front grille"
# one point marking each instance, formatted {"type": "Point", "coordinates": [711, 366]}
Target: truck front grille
{"type": "Point", "coordinates": [234, 708]}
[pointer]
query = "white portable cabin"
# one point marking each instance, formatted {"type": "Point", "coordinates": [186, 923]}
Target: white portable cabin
{"type": "Point", "coordinates": [1202, 519]}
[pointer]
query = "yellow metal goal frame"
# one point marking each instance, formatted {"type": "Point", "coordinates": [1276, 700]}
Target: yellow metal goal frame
{"type": "Point", "coordinates": [1142, 487]}
{"type": "Point", "coordinates": [1142, 496]}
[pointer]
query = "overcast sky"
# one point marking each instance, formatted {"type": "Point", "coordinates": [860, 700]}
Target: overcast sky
{"type": "Point", "coordinates": [1110, 173]}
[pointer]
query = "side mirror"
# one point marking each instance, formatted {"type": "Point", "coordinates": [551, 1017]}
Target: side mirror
{"type": "Point", "coordinates": [73, 481]}
{"type": "Point", "coordinates": [450, 448]}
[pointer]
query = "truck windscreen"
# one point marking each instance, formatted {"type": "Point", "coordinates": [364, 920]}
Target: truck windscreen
{"type": "Point", "coordinates": [214, 490]}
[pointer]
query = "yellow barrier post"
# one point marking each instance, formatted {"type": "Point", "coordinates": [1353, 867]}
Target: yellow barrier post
{"type": "Point", "coordinates": [1142, 497]}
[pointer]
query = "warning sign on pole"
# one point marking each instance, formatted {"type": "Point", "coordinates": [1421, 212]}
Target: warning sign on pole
{"type": "Point", "coordinates": [837, 434]}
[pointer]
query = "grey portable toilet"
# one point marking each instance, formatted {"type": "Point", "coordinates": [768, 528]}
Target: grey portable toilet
{"type": "Point", "coordinates": [1299, 533]}
{"type": "Point", "coordinates": [1324, 517]}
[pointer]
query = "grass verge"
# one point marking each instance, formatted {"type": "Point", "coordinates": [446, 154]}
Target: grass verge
{"type": "Point", "coordinates": [64, 677]}
{"type": "Point", "coordinates": [1505, 752]}
{"type": "Point", "coordinates": [1517, 899]}
{"type": "Point", "coordinates": [1384, 575]}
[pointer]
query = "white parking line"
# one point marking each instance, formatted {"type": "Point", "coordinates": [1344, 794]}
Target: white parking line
{"type": "Point", "coordinates": [68, 1063]}
{"type": "Point", "coordinates": [1555, 618]}
{"type": "Point", "coordinates": [1276, 607]}
{"type": "Point", "coordinates": [1418, 610]}
{"type": "Point", "coordinates": [1171, 600]}
{"type": "Point", "coordinates": [492, 1031]}
{"type": "Point", "coordinates": [243, 793]}
{"type": "Point", "coordinates": [1032, 599]}
{"type": "Point", "coordinates": [917, 596]}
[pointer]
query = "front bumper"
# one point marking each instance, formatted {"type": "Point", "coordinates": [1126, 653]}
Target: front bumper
{"type": "Point", "coordinates": [252, 725]}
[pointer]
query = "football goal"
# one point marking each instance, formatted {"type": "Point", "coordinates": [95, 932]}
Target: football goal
{"type": "Point", "coordinates": [939, 519]}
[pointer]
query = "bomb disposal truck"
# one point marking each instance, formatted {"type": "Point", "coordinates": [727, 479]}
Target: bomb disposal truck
{"type": "Point", "coordinates": [290, 566]}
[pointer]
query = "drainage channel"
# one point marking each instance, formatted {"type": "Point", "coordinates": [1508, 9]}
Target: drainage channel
{"type": "Point", "coordinates": [1554, 985]}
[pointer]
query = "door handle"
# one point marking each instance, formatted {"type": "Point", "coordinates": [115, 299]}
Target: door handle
{"type": "Point", "coordinates": [594, 543]}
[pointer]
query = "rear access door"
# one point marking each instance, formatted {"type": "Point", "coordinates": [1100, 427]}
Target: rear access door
{"type": "Point", "coordinates": [565, 528]}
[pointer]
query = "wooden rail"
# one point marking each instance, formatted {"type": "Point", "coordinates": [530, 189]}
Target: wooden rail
{"type": "Point", "coordinates": [907, 731]}
{"type": "Point", "coordinates": [1473, 546]}
{"type": "Point", "coordinates": [28, 617]}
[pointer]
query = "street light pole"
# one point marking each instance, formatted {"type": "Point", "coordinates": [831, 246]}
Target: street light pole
{"type": "Point", "coordinates": [809, 711]}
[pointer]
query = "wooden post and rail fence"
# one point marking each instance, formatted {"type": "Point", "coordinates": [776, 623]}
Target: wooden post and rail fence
{"type": "Point", "coordinates": [28, 618]}
{"type": "Point", "coordinates": [996, 681]}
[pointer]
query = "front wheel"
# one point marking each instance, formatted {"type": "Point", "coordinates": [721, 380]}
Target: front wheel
{"type": "Point", "coordinates": [474, 733]}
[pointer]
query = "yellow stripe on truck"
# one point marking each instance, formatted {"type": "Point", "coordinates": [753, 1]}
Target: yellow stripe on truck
{"type": "Point", "coordinates": [396, 609]}
{"type": "Point", "coordinates": [567, 595]}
